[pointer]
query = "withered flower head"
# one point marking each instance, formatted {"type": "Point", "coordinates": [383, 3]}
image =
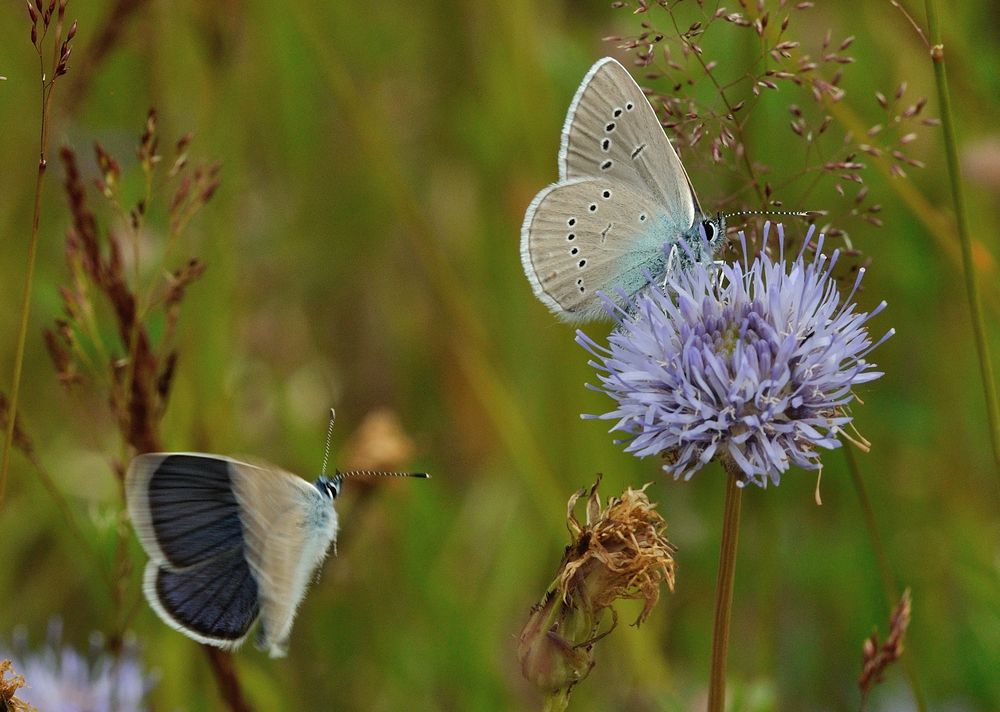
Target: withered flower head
{"type": "Point", "coordinates": [618, 551]}
{"type": "Point", "coordinates": [9, 687]}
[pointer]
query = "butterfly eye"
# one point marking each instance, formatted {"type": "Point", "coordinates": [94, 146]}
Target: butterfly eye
{"type": "Point", "coordinates": [709, 229]}
{"type": "Point", "coordinates": [333, 487]}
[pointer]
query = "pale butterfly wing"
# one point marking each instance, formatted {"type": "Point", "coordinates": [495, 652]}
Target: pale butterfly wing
{"type": "Point", "coordinates": [612, 131]}
{"type": "Point", "coordinates": [572, 244]}
{"type": "Point", "coordinates": [188, 520]}
{"type": "Point", "coordinates": [622, 204]}
{"type": "Point", "coordinates": [288, 527]}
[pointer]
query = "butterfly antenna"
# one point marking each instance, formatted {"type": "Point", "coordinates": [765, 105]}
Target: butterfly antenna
{"type": "Point", "coordinates": [796, 213]}
{"type": "Point", "coordinates": [329, 434]}
{"type": "Point", "coordinates": [359, 473]}
{"type": "Point", "coordinates": [377, 473]}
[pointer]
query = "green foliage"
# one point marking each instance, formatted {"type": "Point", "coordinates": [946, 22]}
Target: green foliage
{"type": "Point", "coordinates": [362, 251]}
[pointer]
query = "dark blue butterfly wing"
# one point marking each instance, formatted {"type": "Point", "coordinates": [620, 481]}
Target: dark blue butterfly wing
{"type": "Point", "coordinates": [183, 508]}
{"type": "Point", "coordinates": [215, 602]}
{"type": "Point", "coordinates": [187, 516]}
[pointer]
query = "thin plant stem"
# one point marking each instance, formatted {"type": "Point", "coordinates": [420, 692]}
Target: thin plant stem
{"type": "Point", "coordinates": [22, 334]}
{"type": "Point", "coordinates": [737, 125]}
{"type": "Point", "coordinates": [227, 679]}
{"type": "Point", "coordinates": [965, 240]}
{"type": "Point", "coordinates": [122, 562]}
{"type": "Point", "coordinates": [888, 582]}
{"type": "Point", "coordinates": [889, 587]}
{"type": "Point", "coordinates": [724, 591]}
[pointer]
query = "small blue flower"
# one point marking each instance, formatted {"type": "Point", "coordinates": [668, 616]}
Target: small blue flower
{"type": "Point", "coordinates": [751, 362]}
{"type": "Point", "coordinates": [60, 679]}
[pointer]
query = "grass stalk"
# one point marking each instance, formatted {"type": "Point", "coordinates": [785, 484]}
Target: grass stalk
{"type": "Point", "coordinates": [889, 587]}
{"type": "Point", "coordinates": [962, 223]}
{"type": "Point", "coordinates": [22, 334]}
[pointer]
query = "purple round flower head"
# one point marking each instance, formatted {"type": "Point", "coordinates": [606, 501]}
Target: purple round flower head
{"type": "Point", "coordinates": [753, 362]}
{"type": "Point", "coordinates": [62, 680]}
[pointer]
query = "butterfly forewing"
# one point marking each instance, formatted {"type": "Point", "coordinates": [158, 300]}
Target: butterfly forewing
{"type": "Point", "coordinates": [612, 131]}
{"type": "Point", "coordinates": [183, 507]}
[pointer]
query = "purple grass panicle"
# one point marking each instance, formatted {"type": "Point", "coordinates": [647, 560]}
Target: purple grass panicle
{"type": "Point", "coordinates": [753, 363]}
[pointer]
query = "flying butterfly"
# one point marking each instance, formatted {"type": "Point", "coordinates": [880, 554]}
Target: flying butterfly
{"type": "Point", "coordinates": [231, 543]}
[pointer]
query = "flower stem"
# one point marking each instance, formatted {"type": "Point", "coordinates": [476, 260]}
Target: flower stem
{"type": "Point", "coordinates": [724, 591]}
{"type": "Point", "coordinates": [965, 240]}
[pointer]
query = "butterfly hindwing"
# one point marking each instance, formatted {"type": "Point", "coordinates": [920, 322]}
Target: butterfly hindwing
{"type": "Point", "coordinates": [588, 235]}
{"type": "Point", "coordinates": [214, 602]}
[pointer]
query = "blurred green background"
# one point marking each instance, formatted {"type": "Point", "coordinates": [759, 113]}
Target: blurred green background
{"type": "Point", "coordinates": [362, 252]}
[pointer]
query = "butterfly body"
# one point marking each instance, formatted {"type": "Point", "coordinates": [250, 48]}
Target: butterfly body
{"type": "Point", "coordinates": [623, 210]}
{"type": "Point", "coordinates": [229, 543]}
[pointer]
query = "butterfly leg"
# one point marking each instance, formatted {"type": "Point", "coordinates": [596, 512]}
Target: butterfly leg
{"type": "Point", "coordinates": [672, 259]}
{"type": "Point", "coordinates": [260, 639]}
{"type": "Point", "coordinates": [720, 272]}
